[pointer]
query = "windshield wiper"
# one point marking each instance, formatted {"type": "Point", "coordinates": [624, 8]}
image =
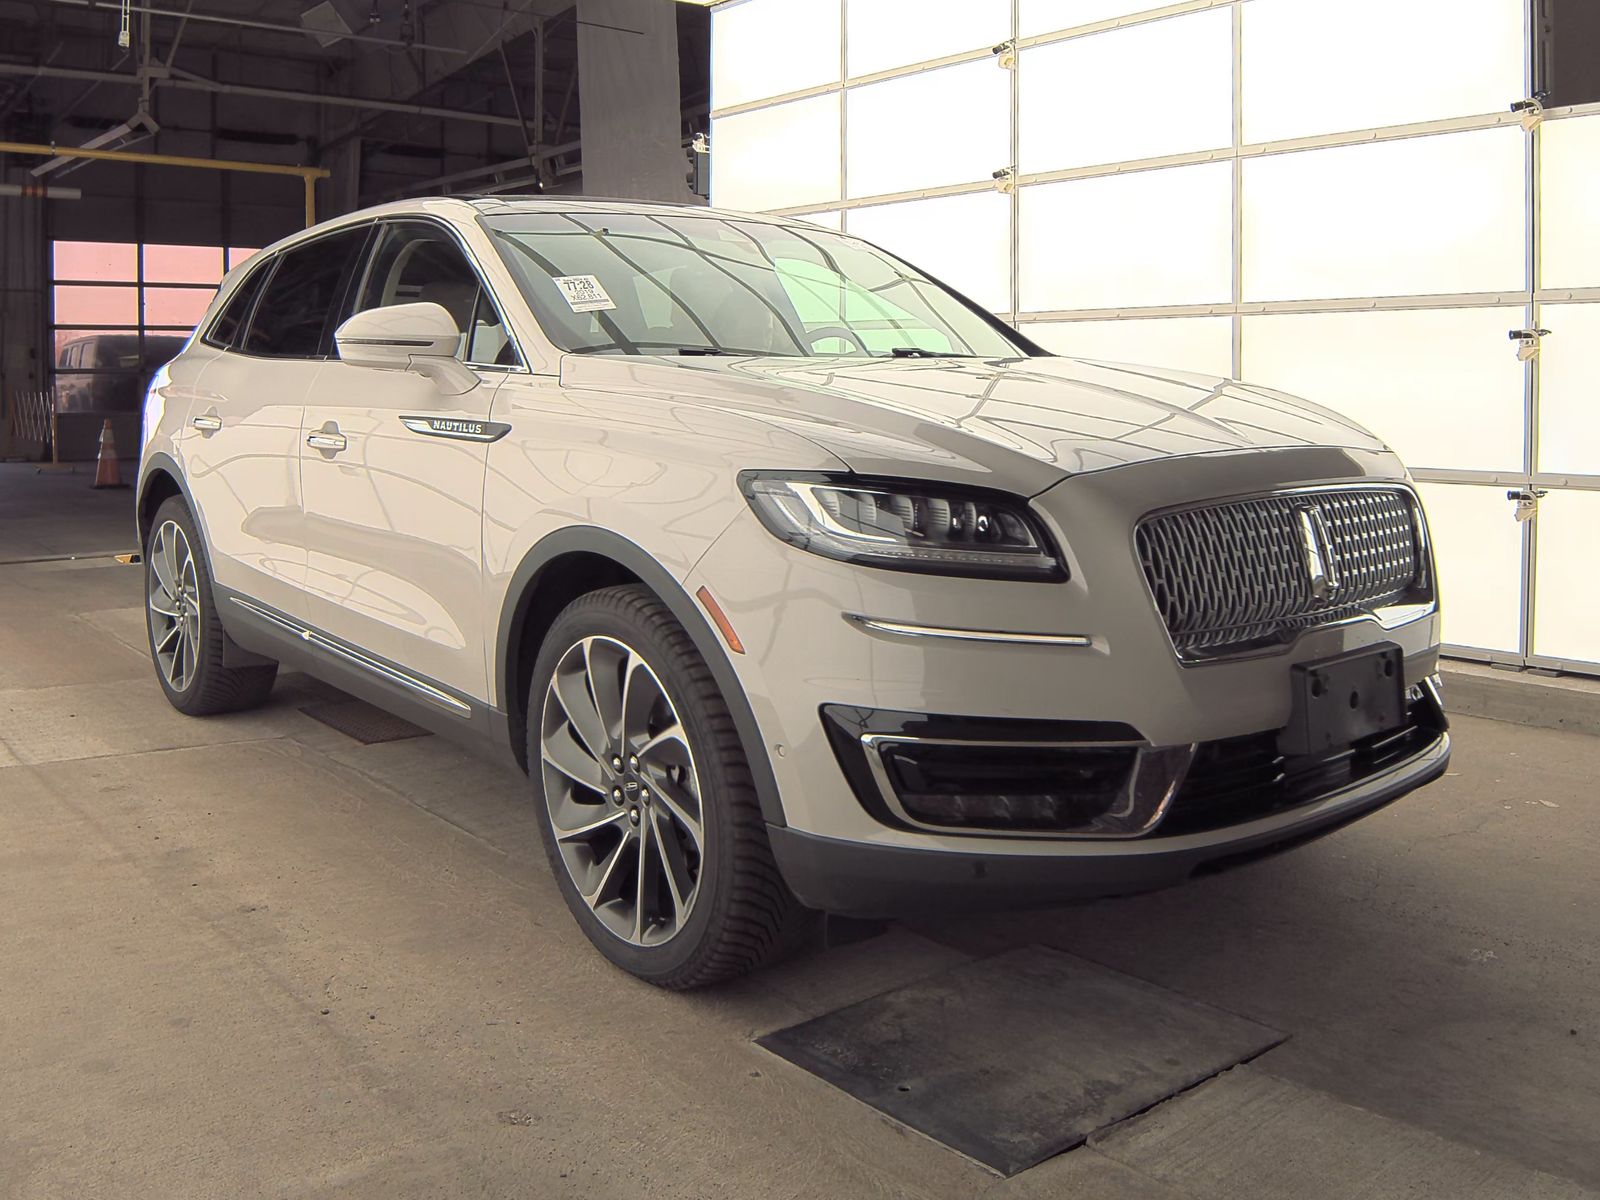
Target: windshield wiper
{"type": "Point", "coordinates": [724, 352]}
{"type": "Point", "coordinates": [917, 352]}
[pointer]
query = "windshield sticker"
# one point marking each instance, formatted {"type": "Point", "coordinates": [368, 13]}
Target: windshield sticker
{"type": "Point", "coordinates": [583, 293]}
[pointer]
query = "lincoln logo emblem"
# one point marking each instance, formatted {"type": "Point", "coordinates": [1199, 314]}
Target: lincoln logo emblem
{"type": "Point", "coordinates": [1318, 549]}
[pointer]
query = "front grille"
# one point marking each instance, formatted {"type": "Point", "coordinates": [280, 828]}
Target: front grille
{"type": "Point", "coordinates": [1233, 575]}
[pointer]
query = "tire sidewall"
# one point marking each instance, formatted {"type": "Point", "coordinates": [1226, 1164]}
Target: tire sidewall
{"type": "Point", "coordinates": [656, 964]}
{"type": "Point", "coordinates": [175, 510]}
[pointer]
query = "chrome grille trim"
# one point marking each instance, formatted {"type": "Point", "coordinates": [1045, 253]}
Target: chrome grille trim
{"type": "Point", "coordinates": [1233, 575]}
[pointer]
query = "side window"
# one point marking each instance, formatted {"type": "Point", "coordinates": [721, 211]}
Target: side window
{"type": "Point", "coordinates": [292, 315]}
{"type": "Point", "coordinates": [418, 261]}
{"type": "Point", "coordinates": [229, 325]}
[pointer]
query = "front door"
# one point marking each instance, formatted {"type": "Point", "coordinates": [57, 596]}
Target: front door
{"type": "Point", "coordinates": [393, 474]}
{"type": "Point", "coordinates": [241, 449]}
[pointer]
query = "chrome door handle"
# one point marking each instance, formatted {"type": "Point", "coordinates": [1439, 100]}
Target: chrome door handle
{"type": "Point", "coordinates": [207, 424]}
{"type": "Point", "coordinates": [323, 440]}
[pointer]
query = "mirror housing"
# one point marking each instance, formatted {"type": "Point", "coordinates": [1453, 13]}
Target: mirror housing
{"type": "Point", "coordinates": [419, 337]}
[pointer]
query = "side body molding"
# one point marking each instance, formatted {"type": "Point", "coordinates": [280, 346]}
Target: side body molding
{"type": "Point", "coordinates": [594, 540]}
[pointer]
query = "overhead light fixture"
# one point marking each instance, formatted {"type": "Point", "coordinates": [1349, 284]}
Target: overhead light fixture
{"type": "Point", "coordinates": [140, 127]}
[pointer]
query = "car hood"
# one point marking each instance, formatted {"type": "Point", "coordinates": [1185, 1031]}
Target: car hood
{"type": "Point", "coordinates": [1024, 423]}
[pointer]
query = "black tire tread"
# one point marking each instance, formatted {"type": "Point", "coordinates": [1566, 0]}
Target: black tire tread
{"type": "Point", "coordinates": [762, 919]}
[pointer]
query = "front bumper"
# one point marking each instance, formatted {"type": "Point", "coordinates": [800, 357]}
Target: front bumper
{"type": "Point", "coordinates": [881, 880]}
{"type": "Point", "coordinates": [803, 652]}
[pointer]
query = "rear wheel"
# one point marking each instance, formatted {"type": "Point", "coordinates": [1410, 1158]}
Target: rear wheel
{"type": "Point", "coordinates": [186, 635]}
{"type": "Point", "coordinates": [650, 819]}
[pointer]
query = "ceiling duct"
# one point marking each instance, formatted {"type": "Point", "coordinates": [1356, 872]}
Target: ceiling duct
{"type": "Point", "coordinates": [331, 21]}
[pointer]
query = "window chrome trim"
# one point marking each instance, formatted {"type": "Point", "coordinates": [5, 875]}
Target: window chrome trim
{"type": "Point", "coordinates": [902, 629]}
{"type": "Point", "coordinates": [373, 666]}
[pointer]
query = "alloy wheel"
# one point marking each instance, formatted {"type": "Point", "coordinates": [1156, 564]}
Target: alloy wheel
{"type": "Point", "coordinates": [622, 792]}
{"type": "Point", "coordinates": [174, 603]}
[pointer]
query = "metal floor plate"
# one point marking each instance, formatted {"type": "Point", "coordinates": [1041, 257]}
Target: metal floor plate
{"type": "Point", "coordinates": [365, 722]}
{"type": "Point", "coordinates": [1016, 1058]}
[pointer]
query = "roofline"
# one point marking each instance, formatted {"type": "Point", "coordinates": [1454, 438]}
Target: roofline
{"type": "Point", "coordinates": [483, 203]}
{"type": "Point", "coordinates": [468, 206]}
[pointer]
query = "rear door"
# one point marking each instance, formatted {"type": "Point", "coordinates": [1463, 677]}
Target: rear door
{"type": "Point", "coordinates": [241, 449]}
{"type": "Point", "coordinates": [393, 474]}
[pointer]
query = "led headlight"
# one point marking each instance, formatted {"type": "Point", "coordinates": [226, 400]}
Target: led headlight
{"type": "Point", "coordinates": [905, 525]}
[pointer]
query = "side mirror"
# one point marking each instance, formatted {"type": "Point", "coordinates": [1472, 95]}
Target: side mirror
{"type": "Point", "coordinates": [418, 337]}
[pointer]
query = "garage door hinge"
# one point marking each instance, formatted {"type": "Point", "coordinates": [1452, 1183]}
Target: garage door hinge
{"type": "Point", "coordinates": [1527, 341]}
{"type": "Point", "coordinates": [1006, 52]}
{"type": "Point", "coordinates": [1527, 502]}
{"type": "Point", "coordinates": [1530, 111]}
{"type": "Point", "coordinates": [1005, 180]}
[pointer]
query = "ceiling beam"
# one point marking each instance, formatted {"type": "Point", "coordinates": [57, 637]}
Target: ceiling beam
{"type": "Point", "coordinates": [185, 81]}
{"type": "Point", "coordinates": [296, 31]}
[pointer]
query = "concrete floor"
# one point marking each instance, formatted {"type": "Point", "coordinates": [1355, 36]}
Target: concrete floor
{"type": "Point", "coordinates": [52, 511]}
{"type": "Point", "coordinates": [249, 956]}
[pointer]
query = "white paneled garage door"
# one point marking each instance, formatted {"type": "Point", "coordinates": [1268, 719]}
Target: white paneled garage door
{"type": "Point", "coordinates": [1328, 196]}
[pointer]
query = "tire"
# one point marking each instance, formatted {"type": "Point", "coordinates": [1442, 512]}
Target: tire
{"type": "Point", "coordinates": [185, 634]}
{"type": "Point", "coordinates": [713, 905]}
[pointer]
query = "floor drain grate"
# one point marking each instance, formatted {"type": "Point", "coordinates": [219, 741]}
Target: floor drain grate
{"type": "Point", "coordinates": [365, 722]}
{"type": "Point", "coordinates": [1015, 1058]}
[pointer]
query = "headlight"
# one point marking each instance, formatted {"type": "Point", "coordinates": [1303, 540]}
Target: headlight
{"type": "Point", "coordinates": [905, 525]}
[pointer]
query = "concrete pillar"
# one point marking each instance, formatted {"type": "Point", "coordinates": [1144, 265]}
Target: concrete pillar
{"type": "Point", "coordinates": [341, 191]}
{"type": "Point", "coordinates": [628, 100]}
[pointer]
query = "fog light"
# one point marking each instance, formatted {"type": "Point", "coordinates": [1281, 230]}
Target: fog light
{"type": "Point", "coordinates": [1026, 811]}
{"type": "Point", "coordinates": [1008, 787]}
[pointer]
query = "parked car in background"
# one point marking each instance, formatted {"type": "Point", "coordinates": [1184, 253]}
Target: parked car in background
{"type": "Point", "coordinates": [110, 372]}
{"type": "Point", "coordinates": [792, 578]}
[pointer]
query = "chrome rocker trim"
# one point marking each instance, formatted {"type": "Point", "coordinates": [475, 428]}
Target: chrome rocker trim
{"type": "Point", "coordinates": [357, 659]}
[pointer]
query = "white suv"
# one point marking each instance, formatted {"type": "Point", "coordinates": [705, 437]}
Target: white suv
{"type": "Point", "coordinates": [792, 578]}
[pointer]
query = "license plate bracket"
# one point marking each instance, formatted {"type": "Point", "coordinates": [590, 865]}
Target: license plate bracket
{"type": "Point", "coordinates": [1341, 700]}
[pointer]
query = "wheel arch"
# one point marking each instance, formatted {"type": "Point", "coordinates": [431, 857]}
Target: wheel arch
{"type": "Point", "coordinates": [158, 483]}
{"type": "Point", "coordinates": [571, 562]}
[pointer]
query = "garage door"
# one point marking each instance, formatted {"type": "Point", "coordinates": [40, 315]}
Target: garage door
{"type": "Point", "coordinates": [1333, 197]}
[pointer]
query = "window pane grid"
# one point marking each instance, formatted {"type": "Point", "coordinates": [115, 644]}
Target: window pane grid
{"type": "Point", "coordinates": [121, 309]}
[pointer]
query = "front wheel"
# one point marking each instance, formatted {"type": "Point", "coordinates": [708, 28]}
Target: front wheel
{"type": "Point", "coordinates": [650, 819]}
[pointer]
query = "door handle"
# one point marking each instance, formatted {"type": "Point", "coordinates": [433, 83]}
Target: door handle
{"type": "Point", "coordinates": [207, 423]}
{"type": "Point", "coordinates": [325, 439]}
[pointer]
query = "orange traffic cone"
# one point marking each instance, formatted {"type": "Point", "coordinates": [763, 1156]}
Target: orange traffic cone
{"type": "Point", "coordinates": [107, 472]}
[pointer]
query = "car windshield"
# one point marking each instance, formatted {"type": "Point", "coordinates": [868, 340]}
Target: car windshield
{"type": "Point", "coordinates": [677, 283]}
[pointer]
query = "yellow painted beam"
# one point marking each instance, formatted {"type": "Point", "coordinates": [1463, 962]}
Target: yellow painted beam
{"type": "Point", "coordinates": [308, 174]}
